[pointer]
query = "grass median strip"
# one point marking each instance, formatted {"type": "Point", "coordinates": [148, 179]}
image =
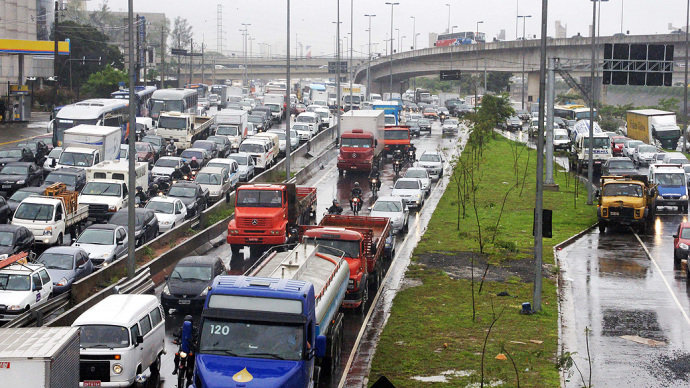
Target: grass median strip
{"type": "Point", "coordinates": [434, 334]}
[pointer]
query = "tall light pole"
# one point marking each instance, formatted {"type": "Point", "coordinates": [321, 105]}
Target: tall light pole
{"type": "Point", "coordinates": [245, 51]}
{"type": "Point", "coordinates": [622, 2]}
{"type": "Point", "coordinates": [590, 165]}
{"type": "Point", "coordinates": [369, 56]}
{"type": "Point", "coordinates": [131, 261]}
{"type": "Point", "coordinates": [685, 88]}
{"type": "Point", "coordinates": [477, 30]}
{"type": "Point", "coordinates": [391, 53]}
{"type": "Point", "coordinates": [448, 28]}
{"type": "Point", "coordinates": [397, 31]}
{"type": "Point", "coordinates": [352, 43]}
{"type": "Point", "coordinates": [524, 18]}
{"type": "Point", "coordinates": [517, 18]}
{"type": "Point", "coordinates": [414, 32]}
{"type": "Point", "coordinates": [401, 47]}
{"type": "Point", "coordinates": [287, 97]}
{"type": "Point", "coordinates": [337, 82]}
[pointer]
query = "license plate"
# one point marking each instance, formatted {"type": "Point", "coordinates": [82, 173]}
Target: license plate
{"type": "Point", "coordinates": [252, 239]}
{"type": "Point", "coordinates": [184, 301]}
{"type": "Point", "coordinates": [92, 383]}
{"type": "Point", "coordinates": [615, 213]}
{"type": "Point", "coordinates": [6, 186]}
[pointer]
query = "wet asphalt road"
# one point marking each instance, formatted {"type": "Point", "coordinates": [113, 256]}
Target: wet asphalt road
{"type": "Point", "coordinates": [329, 186]}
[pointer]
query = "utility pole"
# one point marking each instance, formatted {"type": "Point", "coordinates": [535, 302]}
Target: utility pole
{"type": "Point", "coordinates": [179, 46]}
{"type": "Point", "coordinates": [164, 36]}
{"type": "Point", "coordinates": [369, 59]}
{"type": "Point", "coordinates": [337, 82]}
{"type": "Point", "coordinates": [538, 234]}
{"type": "Point", "coordinates": [287, 98]}
{"type": "Point", "coordinates": [191, 58]}
{"type": "Point", "coordinates": [132, 151]}
{"type": "Point", "coordinates": [414, 32]}
{"type": "Point", "coordinates": [55, 60]}
{"type": "Point", "coordinates": [137, 56]}
{"type": "Point", "coordinates": [203, 75]}
{"type": "Point", "coordinates": [685, 84]}
{"type": "Point", "coordinates": [550, 97]}
{"type": "Point", "coordinates": [391, 53]}
{"type": "Point", "coordinates": [352, 43]}
{"type": "Point", "coordinates": [590, 165]}
{"type": "Point", "coordinates": [524, 84]}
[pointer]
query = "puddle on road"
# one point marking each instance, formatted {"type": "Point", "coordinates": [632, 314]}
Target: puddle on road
{"type": "Point", "coordinates": [643, 323]}
{"type": "Point", "coordinates": [622, 267]}
{"type": "Point", "coordinates": [443, 377]}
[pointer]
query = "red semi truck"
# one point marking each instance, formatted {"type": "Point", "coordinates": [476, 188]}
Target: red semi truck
{"type": "Point", "coordinates": [363, 241]}
{"type": "Point", "coordinates": [269, 214]}
{"type": "Point", "coordinates": [361, 140]}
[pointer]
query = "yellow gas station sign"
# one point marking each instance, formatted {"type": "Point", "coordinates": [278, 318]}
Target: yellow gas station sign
{"type": "Point", "coordinates": [33, 47]}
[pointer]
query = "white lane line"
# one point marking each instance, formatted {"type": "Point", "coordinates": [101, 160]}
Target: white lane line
{"type": "Point", "coordinates": [668, 286]}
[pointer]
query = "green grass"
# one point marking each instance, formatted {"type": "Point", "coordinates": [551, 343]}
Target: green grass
{"type": "Point", "coordinates": [219, 215]}
{"type": "Point", "coordinates": [430, 329]}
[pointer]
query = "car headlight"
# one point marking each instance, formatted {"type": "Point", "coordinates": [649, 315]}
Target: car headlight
{"type": "Point", "coordinates": [117, 369]}
{"type": "Point", "coordinates": [104, 256]}
{"type": "Point", "coordinates": [234, 231]}
{"type": "Point", "coordinates": [685, 197]}
{"type": "Point", "coordinates": [191, 205]}
{"type": "Point", "coordinates": [166, 222]}
{"type": "Point", "coordinates": [14, 307]}
{"type": "Point", "coordinates": [204, 292]}
{"type": "Point", "coordinates": [659, 197]}
{"type": "Point", "coordinates": [683, 246]}
{"type": "Point", "coordinates": [166, 290]}
{"type": "Point", "coordinates": [62, 282]}
{"type": "Point", "coordinates": [21, 182]}
{"type": "Point", "coordinates": [48, 231]}
{"type": "Point", "coordinates": [112, 208]}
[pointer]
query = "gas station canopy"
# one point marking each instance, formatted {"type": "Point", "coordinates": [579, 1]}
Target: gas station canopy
{"type": "Point", "coordinates": [33, 47]}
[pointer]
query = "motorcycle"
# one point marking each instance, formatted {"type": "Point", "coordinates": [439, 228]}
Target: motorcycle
{"type": "Point", "coordinates": [411, 156]}
{"type": "Point", "coordinates": [397, 166]}
{"type": "Point", "coordinates": [375, 184]}
{"type": "Point", "coordinates": [442, 117]}
{"type": "Point", "coordinates": [170, 151]}
{"type": "Point", "coordinates": [184, 366]}
{"type": "Point", "coordinates": [356, 204]}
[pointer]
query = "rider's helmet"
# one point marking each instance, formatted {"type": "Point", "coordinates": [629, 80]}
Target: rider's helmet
{"type": "Point", "coordinates": [356, 184]}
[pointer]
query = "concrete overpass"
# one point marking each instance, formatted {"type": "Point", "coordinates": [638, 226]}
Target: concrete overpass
{"type": "Point", "coordinates": [575, 53]}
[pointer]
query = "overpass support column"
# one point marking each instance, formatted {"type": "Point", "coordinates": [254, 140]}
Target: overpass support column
{"type": "Point", "coordinates": [532, 89]}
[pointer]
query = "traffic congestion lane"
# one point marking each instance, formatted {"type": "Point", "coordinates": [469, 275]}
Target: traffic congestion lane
{"type": "Point", "coordinates": [329, 185]}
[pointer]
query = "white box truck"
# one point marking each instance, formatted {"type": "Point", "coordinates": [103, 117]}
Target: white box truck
{"type": "Point", "coordinates": [86, 145]}
{"type": "Point", "coordinates": [39, 357]}
{"type": "Point", "coordinates": [233, 124]}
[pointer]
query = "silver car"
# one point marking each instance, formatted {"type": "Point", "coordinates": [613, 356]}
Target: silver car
{"type": "Point", "coordinates": [393, 208]}
{"type": "Point", "coordinates": [410, 190]}
{"type": "Point", "coordinates": [246, 165]}
{"type": "Point", "coordinates": [423, 175]}
{"type": "Point", "coordinates": [433, 162]}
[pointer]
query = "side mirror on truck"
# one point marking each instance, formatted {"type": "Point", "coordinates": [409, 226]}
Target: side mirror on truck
{"type": "Point", "coordinates": [321, 346]}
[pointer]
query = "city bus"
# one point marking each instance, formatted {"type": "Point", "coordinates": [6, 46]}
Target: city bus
{"type": "Point", "coordinates": [111, 112]}
{"type": "Point", "coordinates": [173, 100]}
{"type": "Point", "coordinates": [573, 112]}
{"type": "Point", "coordinates": [142, 97]}
{"type": "Point", "coordinates": [459, 38]}
{"type": "Point", "coordinates": [202, 89]}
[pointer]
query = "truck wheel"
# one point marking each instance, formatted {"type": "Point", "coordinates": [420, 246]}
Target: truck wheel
{"type": "Point", "coordinates": [602, 227]}
{"type": "Point", "coordinates": [340, 172]}
{"type": "Point", "coordinates": [59, 239]}
{"type": "Point", "coordinates": [365, 298]}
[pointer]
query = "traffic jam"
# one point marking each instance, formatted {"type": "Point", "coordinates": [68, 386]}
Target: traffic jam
{"type": "Point", "coordinates": [282, 294]}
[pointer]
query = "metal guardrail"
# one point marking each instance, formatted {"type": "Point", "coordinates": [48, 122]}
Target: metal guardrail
{"type": "Point", "coordinates": [141, 283]}
{"type": "Point", "coordinates": [35, 316]}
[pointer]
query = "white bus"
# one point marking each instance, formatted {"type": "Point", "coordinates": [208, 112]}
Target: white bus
{"type": "Point", "coordinates": [142, 96]}
{"type": "Point", "coordinates": [109, 112]}
{"type": "Point", "coordinates": [173, 100]}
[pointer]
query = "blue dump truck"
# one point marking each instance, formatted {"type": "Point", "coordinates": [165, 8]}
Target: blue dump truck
{"type": "Point", "coordinates": [278, 327]}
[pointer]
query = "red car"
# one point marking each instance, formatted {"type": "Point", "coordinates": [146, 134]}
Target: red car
{"type": "Point", "coordinates": [145, 152]}
{"type": "Point", "coordinates": [617, 145]}
{"type": "Point", "coordinates": [681, 242]}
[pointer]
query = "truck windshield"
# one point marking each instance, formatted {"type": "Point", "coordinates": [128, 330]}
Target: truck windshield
{"type": "Point", "coordinates": [11, 282]}
{"type": "Point", "coordinates": [259, 198]}
{"type": "Point", "coordinates": [251, 148]}
{"type": "Point", "coordinates": [599, 142]}
{"type": "Point", "coordinates": [389, 120]}
{"type": "Point", "coordinates": [77, 159]}
{"type": "Point", "coordinates": [169, 122]}
{"type": "Point", "coordinates": [274, 108]}
{"type": "Point", "coordinates": [669, 179]}
{"type": "Point", "coordinates": [351, 248]}
{"type": "Point", "coordinates": [34, 212]}
{"type": "Point", "coordinates": [396, 135]}
{"type": "Point", "coordinates": [158, 106]}
{"type": "Point", "coordinates": [227, 130]}
{"type": "Point", "coordinates": [101, 188]}
{"type": "Point", "coordinates": [622, 190]}
{"type": "Point", "coordinates": [103, 336]}
{"type": "Point", "coordinates": [55, 177]}
{"type": "Point", "coordinates": [355, 142]}
{"type": "Point", "coordinates": [622, 164]}
{"type": "Point", "coordinates": [253, 340]}
{"type": "Point", "coordinates": [668, 134]}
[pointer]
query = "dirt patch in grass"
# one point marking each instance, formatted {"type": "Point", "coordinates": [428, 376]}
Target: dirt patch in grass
{"type": "Point", "coordinates": [458, 265]}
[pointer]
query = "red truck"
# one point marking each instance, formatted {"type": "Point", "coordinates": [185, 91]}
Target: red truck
{"type": "Point", "coordinates": [396, 138]}
{"type": "Point", "coordinates": [361, 140]}
{"type": "Point", "coordinates": [269, 214]}
{"type": "Point", "coordinates": [363, 240]}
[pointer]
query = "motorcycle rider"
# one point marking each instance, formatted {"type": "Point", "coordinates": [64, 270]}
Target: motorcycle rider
{"type": "Point", "coordinates": [141, 195]}
{"type": "Point", "coordinates": [194, 164]}
{"type": "Point", "coordinates": [177, 174]}
{"type": "Point", "coordinates": [335, 208]}
{"type": "Point", "coordinates": [170, 149]}
{"type": "Point", "coordinates": [412, 153]}
{"type": "Point", "coordinates": [375, 174]}
{"type": "Point", "coordinates": [356, 192]}
{"type": "Point", "coordinates": [186, 343]}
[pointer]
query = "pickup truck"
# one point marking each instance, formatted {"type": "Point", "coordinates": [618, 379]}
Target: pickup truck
{"type": "Point", "coordinates": [183, 128]}
{"type": "Point", "coordinates": [104, 197]}
{"type": "Point", "coordinates": [626, 200]}
{"type": "Point", "coordinates": [269, 214]}
{"type": "Point", "coordinates": [51, 216]}
{"type": "Point", "coordinates": [363, 240]}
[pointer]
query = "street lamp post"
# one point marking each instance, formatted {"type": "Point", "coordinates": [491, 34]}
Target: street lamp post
{"type": "Point", "coordinates": [448, 5]}
{"type": "Point", "coordinates": [391, 53]}
{"type": "Point", "coordinates": [369, 56]}
{"type": "Point", "coordinates": [287, 98]}
{"type": "Point", "coordinates": [476, 36]}
{"type": "Point", "coordinates": [337, 82]}
{"type": "Point", "coordinates": [352, 43]}
{"type": "Point", "coordinates": [245, 50]}
{"type": "Point", "coordinates": [401, 46]}
{"type": "Point", "coordinates": [524, 18]}
{"type": "Point", "coordinates": [685, 84]}
{"type": "Point", "coordinates": [414, 32]}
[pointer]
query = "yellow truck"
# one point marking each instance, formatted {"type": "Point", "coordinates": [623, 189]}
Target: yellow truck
{"type": "Point", "coordinates": [653, 126]}
{"type": "Point", "coordinates": [626, 200]}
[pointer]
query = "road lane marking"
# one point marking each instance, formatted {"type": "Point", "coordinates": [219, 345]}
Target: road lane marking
{"type": "Point", "coordinates": [668, 286]}
{"type": "Point", "coordinates": [21, 140]}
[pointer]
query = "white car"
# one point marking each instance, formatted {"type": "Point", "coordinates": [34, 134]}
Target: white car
{"type": "Point", "coordinates": [103, 242]}
{"type": "Point", "coordinates": [165, 165]}
{"type": "Point", "coordinates": [170, 212]}
{"type": "Point", "coordinates": [410, 190]}
{"type": "Point", "coordinates": [395, 209]}
{"type": "Point", "coordinates": [231, 165]}
{"type": "Point", "coordinates": [52, 159]}
{"type": "Point", "coordinates": [213, 99]}
{"type": "Point", "coordinates": [246, 165]}
{"type": "Point", "coordinates": [423, 175]}
{"type": "Point", "coordinates": [433, 162]}
{"type": "Point", "coordinates": [294, 139]}
{"type": "Point", "coordinates": [215, 180]}
{"type": "Point", "coordinates": [450, 126]}
{"type": "Point", "coordinates": [304, 131]}
{"type": "Point", "coordinates": [644, 155]}
{"type": "Point", "coordinates": [24, 286]}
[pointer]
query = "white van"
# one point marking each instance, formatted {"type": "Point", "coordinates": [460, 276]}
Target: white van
{"type": "Point", "coordinates": [274, 142]}
{"type": "Point", "coordinates": [259, 149]}
{"type": "Point", "coordinates": [121, 336]}
{"type": "Point", "coordinates": [118, 170]}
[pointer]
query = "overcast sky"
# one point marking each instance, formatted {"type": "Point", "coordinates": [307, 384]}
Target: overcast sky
{"type": "Point", "coordinates": [312, 21]}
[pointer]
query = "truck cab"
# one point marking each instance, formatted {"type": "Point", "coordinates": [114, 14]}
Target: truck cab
{"type": "Point", "coordinates": [396, 138]}
{"type": "Point", "coordinates": [261, 151]}
{"type": "Point", "coordinates": [117, 170]}
{"type": "Point", "coordinates": [26, 285]}
{"type": "Point", "coordinates": [625, 200]}
{"type": "Point", "coordinates": [183, 128]}
{"type": "Point", "coordinates": [601, 151]}
{"type": "Point", "coordinates": [356, 151]}
{"type": "Point", "coordinates": [50, 218]}
{"type": "Point", "coordinates": [104, 197]}
{"type": "Point", "coordinates": [671, 184]}
{"type": "Point", "coordinates": [78, 157]}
